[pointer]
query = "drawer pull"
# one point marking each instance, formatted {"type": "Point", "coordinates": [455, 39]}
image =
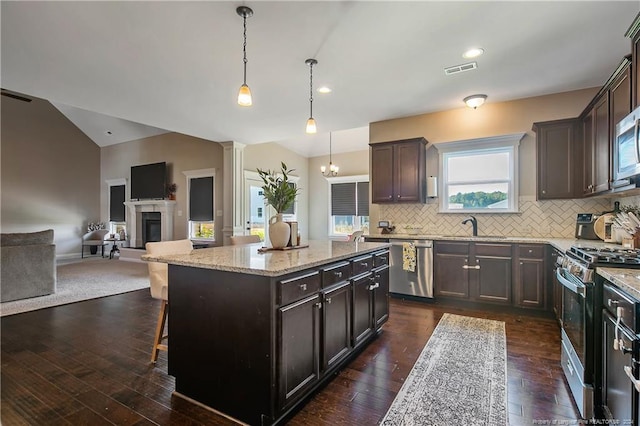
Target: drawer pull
{"type": "Point", "coordinates": [303, 287]}
{"type": "Point", "coordinates": [364, 264]}
{"type": "Point", "coordinates": [328, 300]}
{"type": "Point", "coordinates": [470, 267]}
{"type": "Point", "coordinates": [338, 274]}
{"type": "Point", "coordinates": [374, 286]}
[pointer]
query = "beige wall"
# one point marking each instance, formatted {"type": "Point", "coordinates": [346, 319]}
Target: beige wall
{"type": "Point", "coordinates": [537, 218]}
{"type": "Point", "coordinates": [351, 164]}
{"type": "Point", "coordinates": [181, 153]}
{"type": "Point", "coordinates": [50, 174]}
{"type": "Point", "coordinates": [268, 156]}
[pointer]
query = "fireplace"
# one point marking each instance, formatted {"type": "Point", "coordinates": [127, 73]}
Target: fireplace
{"type": "Point", "coordinates": [149, 220]}
{"type": "Point", "coordinates": [151, 227]}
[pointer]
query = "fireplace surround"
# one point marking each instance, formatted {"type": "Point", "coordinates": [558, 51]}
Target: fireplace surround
{"type": "Point", "coordinates": [138, 229]}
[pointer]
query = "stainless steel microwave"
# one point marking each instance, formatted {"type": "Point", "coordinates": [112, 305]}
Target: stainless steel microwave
{"type": "Point", "coordinates": [626, 149]}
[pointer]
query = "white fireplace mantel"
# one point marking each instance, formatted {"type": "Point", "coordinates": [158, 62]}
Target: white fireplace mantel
{"type": "Point", "coordinates": [135, 210]}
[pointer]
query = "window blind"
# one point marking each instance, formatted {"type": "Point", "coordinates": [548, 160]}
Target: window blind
{"type": "Point", "coordinates": [343, 199]}
{"type": "Point", "coordinates": [116, 203]}
{"type": "Point", "coordinates": [201, 199]}
{"type": "Point", "coordinates": [363, 199]}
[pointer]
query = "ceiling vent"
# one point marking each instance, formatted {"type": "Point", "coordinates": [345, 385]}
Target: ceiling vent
{"type": "Point", "coordinates": [461, 68]}
{"type": "Point", "coordinates": [18, 97]}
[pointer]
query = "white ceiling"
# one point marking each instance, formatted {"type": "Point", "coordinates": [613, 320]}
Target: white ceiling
{"type": "Point", "coordinates": [178, 65]}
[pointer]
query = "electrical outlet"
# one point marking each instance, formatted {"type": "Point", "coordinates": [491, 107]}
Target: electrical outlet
{"type": "Point", "coordinates": [525, 230]}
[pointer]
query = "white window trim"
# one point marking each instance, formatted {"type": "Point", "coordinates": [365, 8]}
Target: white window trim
{"type": "Point", "coordinates": [341, 179]}
{"type": "Point", "coordinates": [194, 174]}
{"type": "Point", "coordinates": [495, 142]}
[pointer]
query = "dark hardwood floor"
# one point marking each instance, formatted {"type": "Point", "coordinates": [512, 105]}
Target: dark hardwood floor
{"type": "Point", "coordinates": [88, 363]}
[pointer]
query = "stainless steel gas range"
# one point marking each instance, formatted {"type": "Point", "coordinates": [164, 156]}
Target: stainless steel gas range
{"type": "Point", "coordinates": [581, 315]}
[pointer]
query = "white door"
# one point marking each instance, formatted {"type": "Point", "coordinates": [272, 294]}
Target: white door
{"type": "Point", "coordinates": [255, 214]}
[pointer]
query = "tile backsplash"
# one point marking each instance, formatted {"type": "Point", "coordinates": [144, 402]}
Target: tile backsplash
{"type": "Point", "coordinates": [549, 219]}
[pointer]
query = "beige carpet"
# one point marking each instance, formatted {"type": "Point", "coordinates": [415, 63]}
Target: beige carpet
{"type": "Point", "coordinates": [89, 279]}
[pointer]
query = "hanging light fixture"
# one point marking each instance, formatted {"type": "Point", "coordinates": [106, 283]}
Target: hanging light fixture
{"type": "Point", "coordinates": [244, 95]}
{"type": "Point", "coordinates": [333, 169]}
{"type": "Point", "coordinates": [474, 101]}
{"type": "Point", "coordinates": [311, 123]}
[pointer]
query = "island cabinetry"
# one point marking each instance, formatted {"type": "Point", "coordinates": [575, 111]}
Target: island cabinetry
{"type": "Point", "coordinates": [336, 323]}
{"type": "Point", "coordinates": [398, 171]}
{"type": "Point", "coordinates": [559, 165]}
{"type": "Point", "coordinates": [370, 296]}
{"type": "Point", "coordinates": [530, 276]}
{"type": "Point", "coordinates": [479, 272]}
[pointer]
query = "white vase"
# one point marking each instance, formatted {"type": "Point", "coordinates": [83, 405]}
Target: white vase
{"type": "Point", "coordinates": [279, 231]}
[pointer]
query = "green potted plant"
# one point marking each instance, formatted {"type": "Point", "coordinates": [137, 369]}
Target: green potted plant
{"type": "Point", "coordinates": [279, 193]}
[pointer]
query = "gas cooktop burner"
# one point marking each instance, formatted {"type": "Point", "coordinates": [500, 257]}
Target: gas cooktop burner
{"type": "Point", "coordinates": [607, 255]}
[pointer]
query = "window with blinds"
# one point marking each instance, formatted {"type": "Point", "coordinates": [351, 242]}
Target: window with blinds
{"type": "Point", "coordinates": [201, 208]}
{"type": "Point", "coordinates": [116, 203]}
{"type": "Point", "coordinates": [349, 206]}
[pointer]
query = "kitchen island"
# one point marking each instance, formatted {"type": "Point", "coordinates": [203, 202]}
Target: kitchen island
{"type": "Point", "coordinates": [253, 334]}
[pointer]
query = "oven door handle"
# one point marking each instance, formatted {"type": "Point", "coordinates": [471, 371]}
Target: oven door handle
{"type": "Point", "coordinates": [629, 373]}
{"type": "Point", "coordinates": [574, 287]}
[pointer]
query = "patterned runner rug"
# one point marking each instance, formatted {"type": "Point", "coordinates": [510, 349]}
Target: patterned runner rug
{"type": "Point", "coordinates": [458, 379]}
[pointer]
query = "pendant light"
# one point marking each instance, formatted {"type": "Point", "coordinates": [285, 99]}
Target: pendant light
{"type": "Point", "coordinates": [474, 101]}
{"type": "Point", "coordinates": [311, 123]}
{"type": "Point", "coordinates": [244, 94]}
{"type": "Point", "coordinates": [333, 169]}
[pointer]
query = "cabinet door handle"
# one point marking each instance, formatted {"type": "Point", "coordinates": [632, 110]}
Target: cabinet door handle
{"type": "Point", "coordinates": [611, 302]}
{"type": "Point", "coordinates": [303, 287]}
{"type": "Point", "coordinates": [374, 286]}
{"type": "Point", "coordinates": [318, 305]}
{"type": "Point", "coordinates": [328, 300]}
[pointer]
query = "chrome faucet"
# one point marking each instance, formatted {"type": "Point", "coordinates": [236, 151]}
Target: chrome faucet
{"type": "Point", "coordinates": [474, 223]}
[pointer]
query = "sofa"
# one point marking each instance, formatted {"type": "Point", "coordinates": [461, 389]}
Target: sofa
{"type": "Point", "coordinates": [28, 265]}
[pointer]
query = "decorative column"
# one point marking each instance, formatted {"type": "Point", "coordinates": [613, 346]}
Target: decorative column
{"type": "Point", "coordinates": [233, 200]}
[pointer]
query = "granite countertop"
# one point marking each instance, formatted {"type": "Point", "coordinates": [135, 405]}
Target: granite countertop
{"type": "Point", "coordinates": [561, 244]}
{"type": "Point", "coordinates": [627, 279]}
{"type": "Point", "coordinates": [246, 258]}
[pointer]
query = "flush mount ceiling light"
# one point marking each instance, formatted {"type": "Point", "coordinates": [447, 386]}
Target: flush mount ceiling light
{"type": "Point", "coordinates": [474, 52]}
{"type": "Point", "coordinates": [333, 169]}
{"type": "Point", "coordinates": [311, 123]}
{"type": "Point", "coordinates": [474, 101]}
{"type": "Point", "coordinates": [244, 94]}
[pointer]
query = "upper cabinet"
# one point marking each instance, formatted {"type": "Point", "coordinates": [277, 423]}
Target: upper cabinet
{"type": "Point", "coordinates": [398, 171]}
{"type": "Point", "coordinates": [558, 157]}
{"type": "Point", "coordinates": [599, 119]}
{"type": "Point", "coordinates": [634, 34]}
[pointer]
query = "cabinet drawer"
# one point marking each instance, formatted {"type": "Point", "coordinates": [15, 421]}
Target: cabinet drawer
{"type": "Point", "coordinates": [503, 250]}
{"type": "Point", "coordinates": [381, 259]}
{"type": "Point", "coordinates": [531, 251]}
{"type": "Point", "coordinates": [360, 265]}
{"type": "Point", "coordinates": [452, 247]}
{"type": "Point", "coordinates": [335, 273]}
{"type": "Point", "coordinates": [298, 287]}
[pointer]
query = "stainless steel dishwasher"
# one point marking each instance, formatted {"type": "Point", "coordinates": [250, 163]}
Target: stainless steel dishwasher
{"type": "Point", "coordinates": [418, 283]}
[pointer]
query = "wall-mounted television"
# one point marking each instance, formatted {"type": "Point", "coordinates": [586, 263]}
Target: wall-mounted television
{"type": "Point", "coordinates": [149, 181]}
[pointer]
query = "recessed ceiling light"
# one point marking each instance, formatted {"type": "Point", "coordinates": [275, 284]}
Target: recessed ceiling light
{"type": "Point", "coordinates": [324, 89]}
{"type": "Point", "coordinates": [473, 52]}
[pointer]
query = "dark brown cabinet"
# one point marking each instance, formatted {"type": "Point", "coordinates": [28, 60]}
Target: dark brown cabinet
{"type": "Point", "coordinates": [634, 34]}
{"type": "Point", "coordinates": [298, 363]}
{"type": "Point", "coordinates": [478, 272]}
{"type": "Point", "coordinates": [398, 171]}
{"type": "Point", "coordinates": [336, 324]}
{"type": "Point", "coordinates": [598, 120]}
{"type": "Point", "coordinates": [362, 308]}
{"type": "Point", "coordinates": [271, 340]}
{"type": "Point", "coordinates": [559, 163]}
{"type": "Point", "coordinates": [530, 281]}
{"type": "Point", "coordinates": [370, 295]}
